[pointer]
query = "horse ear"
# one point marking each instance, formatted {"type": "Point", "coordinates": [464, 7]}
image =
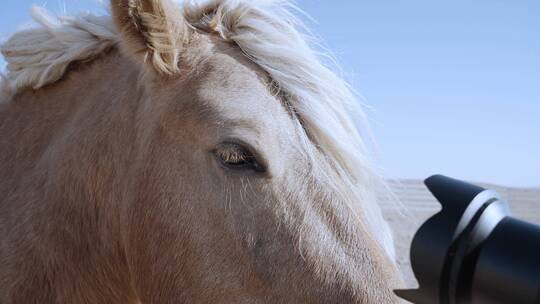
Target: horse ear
{"type": "Point", "coordinates": [152, 31]}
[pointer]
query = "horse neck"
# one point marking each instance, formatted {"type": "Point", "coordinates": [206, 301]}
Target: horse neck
{"type": "Point", "coordinates": [64, 156]}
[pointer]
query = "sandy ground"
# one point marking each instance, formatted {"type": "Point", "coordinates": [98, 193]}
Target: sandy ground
{"type": "Point", "coordinates": [417, 205]}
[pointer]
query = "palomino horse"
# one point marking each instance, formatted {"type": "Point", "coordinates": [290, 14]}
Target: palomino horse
{"type": "Point", "coordinates": [193, 153]}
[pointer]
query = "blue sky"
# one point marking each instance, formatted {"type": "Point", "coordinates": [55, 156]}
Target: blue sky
{"type": "Point", "coordinates": [453, 86]}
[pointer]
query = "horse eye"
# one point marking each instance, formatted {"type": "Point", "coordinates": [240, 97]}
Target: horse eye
{"type": "Point", "coordinates": [237, 157]}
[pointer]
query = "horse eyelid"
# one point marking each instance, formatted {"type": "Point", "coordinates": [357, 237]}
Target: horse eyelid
{"type": "Point", "coordinates": [261, 162]}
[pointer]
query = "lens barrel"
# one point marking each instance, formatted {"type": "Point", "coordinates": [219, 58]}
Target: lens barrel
{"type": "Point", "coordinates": [473, 251]}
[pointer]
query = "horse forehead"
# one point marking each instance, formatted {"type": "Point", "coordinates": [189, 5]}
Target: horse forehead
{"type": "Point", "coordinates": [236, 88]}
{"type": "Point", "coordinates": [232, 73]}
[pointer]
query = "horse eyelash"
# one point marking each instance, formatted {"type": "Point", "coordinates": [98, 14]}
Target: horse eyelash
{"type": "Point", "coordinates": [238, 156]}
{"type": "Point", "coordinates": [232, 154]}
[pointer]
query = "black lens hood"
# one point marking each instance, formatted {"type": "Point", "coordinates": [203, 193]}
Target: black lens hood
{"type": "Point", "coordinates": [472, 251]}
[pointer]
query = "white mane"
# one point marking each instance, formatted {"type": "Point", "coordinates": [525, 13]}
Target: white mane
{"type": "Point", "coordinates": [40, 56]}
{"type": "Point", "coordinates": [267, 33]}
